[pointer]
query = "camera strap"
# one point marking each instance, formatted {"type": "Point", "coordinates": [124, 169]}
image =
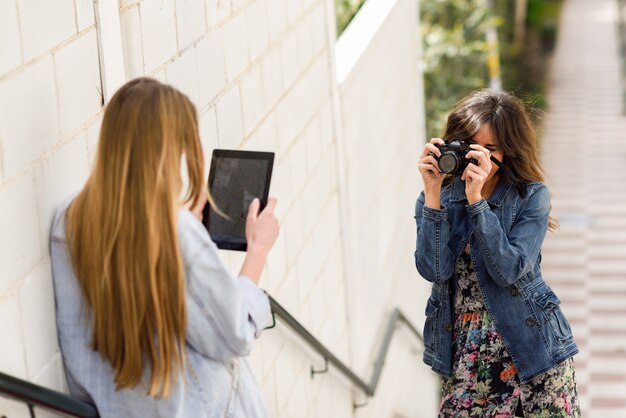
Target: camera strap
{"type": "Point", "coordinates": [521, 187]}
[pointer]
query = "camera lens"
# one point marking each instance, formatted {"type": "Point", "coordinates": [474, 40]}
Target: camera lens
{"type": "Point", "coordinates": [449, 162]}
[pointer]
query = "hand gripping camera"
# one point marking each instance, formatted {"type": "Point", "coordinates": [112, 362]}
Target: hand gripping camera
{"type": "Point", "coordinates": [452, 159]}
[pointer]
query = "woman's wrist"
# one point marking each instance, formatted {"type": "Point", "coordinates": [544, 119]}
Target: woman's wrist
{"type": "Point", "coordinates": [432, 197]}
{"type": "Point", "coordinates": [253, 264]}
{"type": "Point", "coordinates": [474, 198]}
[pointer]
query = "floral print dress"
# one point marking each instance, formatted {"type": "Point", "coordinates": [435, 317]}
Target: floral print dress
{"type": "Point", "coordinates": [484, 381]}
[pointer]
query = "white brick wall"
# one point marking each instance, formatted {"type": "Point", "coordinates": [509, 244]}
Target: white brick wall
{"type": "Point", "coordinates": [261, 73]}
{"type": "Point", "coordinates": [50, 108]}
{"type": "Point", "coordinates": [236, 46]}
{"type": "Point", "coordinates": [211, 67]}
{"type": "Point", "coordinates": [216, 11]}
{"type": "Point", "coordinates": [190, 21]}
{"type": "Point", "coordinates": [85, 15]}
{"type": "Point", "coordinates": [11, 53]}
{"type": "Point", "coordinates": [381, 133]}
{"type": "Point", "coordinates": [57, 176]}
{"type": "Point", "coordinates": [252, 100]}
{"type": "Point", "coordinates": [19, 221]}
{"type": "Point", "coordinates": [78, 86]}
{"type": "Point", "coordinates": [130, 22]}
{"type": "Point", "coordinates": [158, 28]}
{"type": "Point", "coordinates": [37, 301]}
{"type": "Point", "coordinates": [45, 24]}
{"type": "Point", "coordinates": [183, 74]}
{"type": "Point", "coordinates": [29, 121]}
{"type": "Point", "coordinates": [229, 119]}
{"type": "Point", "coordinates": [258, 32]}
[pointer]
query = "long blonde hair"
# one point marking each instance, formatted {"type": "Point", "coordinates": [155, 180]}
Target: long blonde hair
{"type": "Point", "coordinates": [122, 232]}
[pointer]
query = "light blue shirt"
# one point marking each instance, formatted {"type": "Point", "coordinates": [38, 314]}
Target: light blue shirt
{"type": "Point", "coordinates": [224, 315]}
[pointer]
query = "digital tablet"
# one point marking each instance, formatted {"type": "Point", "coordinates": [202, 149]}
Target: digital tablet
{"type": "Point", "coordinates": [235, 179]}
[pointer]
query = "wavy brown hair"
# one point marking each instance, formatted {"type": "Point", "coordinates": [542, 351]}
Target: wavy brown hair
{"type": "Point", "coordinates": [510, 125]}
{"type": "Point", "coordinates": [122, 232]}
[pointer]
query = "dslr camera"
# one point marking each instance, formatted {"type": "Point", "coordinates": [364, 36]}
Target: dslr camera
{"type": "Point", "coordinates": [452, 159]}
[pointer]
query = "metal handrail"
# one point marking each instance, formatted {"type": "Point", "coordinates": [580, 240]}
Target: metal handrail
{"type": "Point", "coordinates": [368, 388]}
{"type": "Point", "coordinates": [35, 395]}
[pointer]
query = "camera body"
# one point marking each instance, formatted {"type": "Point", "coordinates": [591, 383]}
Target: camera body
{"type": "Point", "coordinates": [452, 159]}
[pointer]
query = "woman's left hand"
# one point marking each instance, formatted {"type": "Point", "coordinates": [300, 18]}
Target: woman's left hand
{"type": "Point", "coordinates": [199, 206]}
{"type": "Point", "coordinates": [475, 175]}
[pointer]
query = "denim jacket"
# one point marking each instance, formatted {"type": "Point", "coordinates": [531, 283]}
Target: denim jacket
{"type": "Point", "coordinates": [505, 234]}
{"type": "Point", "coordinates": [224, 315]}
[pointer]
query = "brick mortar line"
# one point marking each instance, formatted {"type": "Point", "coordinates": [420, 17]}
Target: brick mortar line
{"type": "Point", "coordinates": [329, 197]}
{"type": "Point", "coordinates": [332, 301]}
{"type": "Point", "coordinates": [288, 338]}
{"type": "Point", "coordinates": [274, 108]}
{"type": "Point", "coordinates": [251, 64]}
{"type": "Point", "coordinates": [20, 37]}
{"type": "Point", "coordinates": [1, 166]}
{"type": "Point", "coordinates": [324, 153]}
{"type": "Point", "coordinates": [39, 373]}
{"type": "Point", "coordinates": [316, 112]}
{"type": "Point", "coordinates": [64, 140]}
{"type": "Point", "coordinates": [286, 90]}
{"type": "Point", "coordinates": [14, 289]}
{"type": "Point", "coordinates": [143, 55]}
{"type": "Point", "coordinates": [55, 49]}
{"type": "Point", "coordinates": [76, 15]}
{"type": "Point", "coordinates": [308, 292]}
{"type": "Point", "coordinates": [83, 128]}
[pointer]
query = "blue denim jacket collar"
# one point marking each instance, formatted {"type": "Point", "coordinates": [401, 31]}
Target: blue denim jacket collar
{"type": "Point", "coordinates": [457, 192]}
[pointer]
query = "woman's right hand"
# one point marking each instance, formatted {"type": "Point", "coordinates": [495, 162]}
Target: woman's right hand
{"type": "Point", "coordinates": [433, 177]}
{"type": "Point", "coordinates": [428, 166]}
{"type": "Point", "coordinates": [261, 228]}
{"type": "Point", "coordinates": [261, 234]}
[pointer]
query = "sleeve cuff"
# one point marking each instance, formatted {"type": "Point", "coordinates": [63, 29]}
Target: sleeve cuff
{"type": "Point", "coordinates": [258, 305]}
{"type": "Point", "coordinates": [435, 214]}
{"type": "Point", "coordinates": [478, 207]}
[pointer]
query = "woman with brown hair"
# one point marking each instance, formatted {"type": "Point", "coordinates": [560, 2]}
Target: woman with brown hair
{"type": "Point", "coordinates": [150, 322]}
{"type": "Point", "coordinates": [493, 329]}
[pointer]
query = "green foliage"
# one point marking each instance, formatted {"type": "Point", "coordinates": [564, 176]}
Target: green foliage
{"type": "Point", "coordinates": [345, 11]}
{"type": "Point", "coordinates": [454, 56]}
{"type": "Point", "coordinates": [543, 17]}
{"type": "Point", "coordinates": [455, 52]}
{"type": "Point", "coordinates": [524, 70]}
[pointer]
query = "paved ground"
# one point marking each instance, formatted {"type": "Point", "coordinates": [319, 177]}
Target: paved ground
{"type": "Point", "coordinates": [584, 154]}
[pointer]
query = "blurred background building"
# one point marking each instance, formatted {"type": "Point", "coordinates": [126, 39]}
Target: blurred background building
{"type": "Point", "coordinates": [345, 92]}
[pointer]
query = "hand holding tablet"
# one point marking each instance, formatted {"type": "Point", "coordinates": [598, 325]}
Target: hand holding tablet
{"type": "Point", "coordinates": [236, 178]}
{"type": "Point", "coordinates": [261, 228]}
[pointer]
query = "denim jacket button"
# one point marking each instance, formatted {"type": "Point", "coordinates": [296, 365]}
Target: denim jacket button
{"type": "Point", "coordinates": [530, 322]}
{"type": "Point", "coordinates": [514, 291]}
{"type": "Point", "coordinates": [449, 327]}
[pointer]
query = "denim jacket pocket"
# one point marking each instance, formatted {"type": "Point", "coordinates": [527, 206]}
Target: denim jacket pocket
{"type": "Point", "coordinates": [553, 316]}
{"type": "Point", "coordinates": [430, 325]}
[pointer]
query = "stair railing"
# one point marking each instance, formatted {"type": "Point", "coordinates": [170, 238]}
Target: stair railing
{"type": "Point", "coordinates": [397, 317]}
{"type": "Point", "coordinates": [38, 396]}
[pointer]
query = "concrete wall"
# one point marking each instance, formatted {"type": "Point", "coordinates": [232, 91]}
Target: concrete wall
{"type": "Point", "coordinates": [382, 129]}
{"type": "Point", "coordinates": [262, 75]}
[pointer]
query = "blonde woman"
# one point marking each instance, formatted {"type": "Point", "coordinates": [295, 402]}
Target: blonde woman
{"type": "Point", "coordinates": [150, 322]}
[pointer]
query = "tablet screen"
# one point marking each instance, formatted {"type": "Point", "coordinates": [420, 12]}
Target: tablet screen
{"type": "Point", "coordinates": [235, 179]}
